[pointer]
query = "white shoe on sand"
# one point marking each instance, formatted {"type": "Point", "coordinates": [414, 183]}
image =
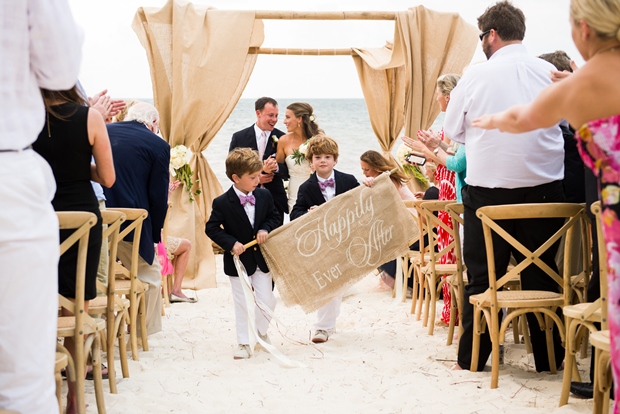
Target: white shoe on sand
{"type": "Point", "coordinates": [265, 338]}
{"type": "Point", "coordinates": [320, 336]}
{"type": "Point", "coordinates": [242, 352]}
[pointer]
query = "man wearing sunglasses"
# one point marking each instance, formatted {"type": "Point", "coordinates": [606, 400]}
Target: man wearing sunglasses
{"type": "Point", "coordinates": [505, 168]}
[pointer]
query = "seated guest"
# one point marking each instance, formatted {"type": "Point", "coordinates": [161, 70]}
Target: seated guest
{"type": "Point", "coordinates": [142, 160]}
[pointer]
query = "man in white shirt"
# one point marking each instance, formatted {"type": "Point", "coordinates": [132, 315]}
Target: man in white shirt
{"type": "Point", "coordinates": [505, 168]}
{"type": "Point", "coordinates": [40, 48]}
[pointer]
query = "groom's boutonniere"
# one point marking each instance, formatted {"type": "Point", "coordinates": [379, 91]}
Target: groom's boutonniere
{"type": "Point", "coordinates": [274, 141]}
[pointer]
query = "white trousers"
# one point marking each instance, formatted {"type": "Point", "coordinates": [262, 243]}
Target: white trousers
{"type": "Point", "coordinates": [261, 282]}
{"type": "Point", "coordinates": [150, 274]}
{"type": "Point", "coordinates": [326, 315]}
{"type": "Point", "coordinates": [28, 284]}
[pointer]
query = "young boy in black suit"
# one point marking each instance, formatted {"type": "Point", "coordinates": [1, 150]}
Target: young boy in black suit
{"type": "Point", "coordinates": [323, 185]}
{"type": "Point", "coordinates": [242, 214]}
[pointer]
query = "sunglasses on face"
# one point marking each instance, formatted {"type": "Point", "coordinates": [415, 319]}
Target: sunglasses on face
{"type": "Point", "coordinates": [483, 34]}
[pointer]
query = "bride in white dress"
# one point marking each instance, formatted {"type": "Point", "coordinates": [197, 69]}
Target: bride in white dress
{"type": "Point", "coordinates": [300, 125]}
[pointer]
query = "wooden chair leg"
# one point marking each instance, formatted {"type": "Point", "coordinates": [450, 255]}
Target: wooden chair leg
{"type": "Point", "coordinates": [475, 346]}
{"type": "Point", "coordinates": [550, 347]}
{"type": "Point", "coordinates": [427, 299]}
{"type": "Point", "coordinates": [59, 390]}
{"type": "Point", "coordinates": [569, 361]}
{"type": "Point", "coordinates": [526, 335]}
{"type": "Point", "coordinates": [96, 363]}
{"type": "Point", "coordinates": [433, 306]}
{"type": "Point", "coordinates": [515, 329]}
{"type": "Point", "coordinates": [122, 345]}
{"type": "Point", "coordinates": [422, 296]}
{"type": "Point", "coordinates": [133, 330]}
{"type": "Point", "coordinates": [415, 290]}
{"type": "Point", "coordinates": [142, 314]}
{"type": "Point", "coordinates": [453, 308]}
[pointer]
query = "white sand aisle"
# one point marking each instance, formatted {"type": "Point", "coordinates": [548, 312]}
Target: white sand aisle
{"type": "Point", "coordinates": [380, 361]}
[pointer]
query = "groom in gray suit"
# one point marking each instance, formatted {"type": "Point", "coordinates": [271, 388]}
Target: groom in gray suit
{"type": "Point", "coordinates": [263, 137]}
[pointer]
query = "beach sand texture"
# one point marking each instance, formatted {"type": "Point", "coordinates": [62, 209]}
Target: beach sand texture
{"type": "Point", "coordinates": [381, 360]}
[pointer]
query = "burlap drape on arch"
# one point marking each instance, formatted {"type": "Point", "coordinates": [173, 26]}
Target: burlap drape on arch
{"type": "Point", "coordinates": [187, 46]}
{"type": "Point", "coordinates": [398, 81]}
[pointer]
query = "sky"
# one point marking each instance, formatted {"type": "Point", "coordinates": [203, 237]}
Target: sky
{"type": "Point", "coordinates": [114, 59]}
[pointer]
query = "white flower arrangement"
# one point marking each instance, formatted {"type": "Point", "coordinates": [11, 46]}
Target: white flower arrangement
{"type": "Point", "coordinates": [180, 156]}
{"type": "Point", "coordinates": [274, 139]}
{"type": "Point", "coordinates": [299, 155]}
{"type": "Point", "coordinates": [312, 118]}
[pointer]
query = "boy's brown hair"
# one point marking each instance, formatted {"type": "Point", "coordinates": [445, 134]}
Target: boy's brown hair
{"type": "Point", "coordinates": [321, 144]}
{"type": "Point", "coordinates": [242, 161]}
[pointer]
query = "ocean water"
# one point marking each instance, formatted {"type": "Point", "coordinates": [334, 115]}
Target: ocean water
{"type": "Point", "coordinates": [345, 120]}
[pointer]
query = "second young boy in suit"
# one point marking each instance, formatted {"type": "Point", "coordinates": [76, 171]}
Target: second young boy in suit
{"type": "Point", "coordinates": [323, 185]}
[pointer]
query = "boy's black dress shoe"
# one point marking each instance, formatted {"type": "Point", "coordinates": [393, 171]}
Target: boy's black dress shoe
{"type": "Point", "coordinates": [582, 389]}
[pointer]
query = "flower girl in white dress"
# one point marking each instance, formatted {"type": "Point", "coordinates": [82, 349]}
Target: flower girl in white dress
{"type": "Point", "coordinates": [301, 126]}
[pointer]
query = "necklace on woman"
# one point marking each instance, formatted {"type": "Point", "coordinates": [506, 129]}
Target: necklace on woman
{"type": "Point", "coordinates": [609, 49]}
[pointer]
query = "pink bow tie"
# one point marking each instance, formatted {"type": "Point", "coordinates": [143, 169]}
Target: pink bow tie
{"type": "Point", "coordinates": [247, 199]}
{"type": "Point", "coordinates": [326, 183]}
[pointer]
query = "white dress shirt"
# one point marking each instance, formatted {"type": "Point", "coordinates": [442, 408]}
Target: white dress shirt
{"type": "Point", "coordinates": [249, 208]}
{"type": "Point", "coordinates": [329, 192]}
{"type": "Point", "coordinates": [259, 133]}
{"type": "Point", "coordinates": [40, 48]}
{"type": "Point", "coordinates": [498, 159]}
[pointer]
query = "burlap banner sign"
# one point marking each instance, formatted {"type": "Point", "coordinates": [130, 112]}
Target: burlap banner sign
{"type": "Point", "coordinates": [318, 256]}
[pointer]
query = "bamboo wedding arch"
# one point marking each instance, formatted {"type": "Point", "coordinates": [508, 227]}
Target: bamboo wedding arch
{"type": "Point", "coordinates": [201, 59]}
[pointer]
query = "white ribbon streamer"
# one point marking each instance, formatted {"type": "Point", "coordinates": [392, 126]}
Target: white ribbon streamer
{"type": "Point", "coordinates": [250, 302]}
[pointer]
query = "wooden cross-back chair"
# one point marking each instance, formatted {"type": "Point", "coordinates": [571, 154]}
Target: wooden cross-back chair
{"type": "Point", "coordinates": [582, 316]}
{"type": "Point", "coordinates": [114, 307]}
{"type": "Point", "coordinates": [127, 282]}
{"type": "Point", "coordinates": [542, 303]}
{"type": "Point", "coordinates": [405, 262]}
{"type": "Point", "coordinates": [81, 324]}
{"type": "Point", "coordinates": [433, 270]}
{"type": "Point", "coordinates": [417, 260]}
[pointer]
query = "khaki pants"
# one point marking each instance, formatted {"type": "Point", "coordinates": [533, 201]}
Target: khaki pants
{"type": "Point", "coordinates": [150, 274]}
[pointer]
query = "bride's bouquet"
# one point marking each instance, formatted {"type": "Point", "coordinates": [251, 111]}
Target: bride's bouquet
{"type": "Point", "coordinates": [299, 155]}
{"type": "Point", "coordinates": [180, 157]}
{"type": "Point", "coordinates": [410, 169]}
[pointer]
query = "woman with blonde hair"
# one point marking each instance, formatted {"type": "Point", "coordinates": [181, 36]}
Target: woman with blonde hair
{"type": "Point", "coordinates": [588, 100]}
{"type": "Point", "coordinates": [430, 145]}
{"type": "Point", "coordinates": [300, 124]}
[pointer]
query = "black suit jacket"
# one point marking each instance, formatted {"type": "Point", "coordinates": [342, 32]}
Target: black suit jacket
{"type": "Point", "coordinates": [246, 138]}
{"type": "Point", "coordinates": [309, 193]}
{"type": "Point", "coordinates": [141, 161]}
{"type": "Point", "coordinates": [229, 224]}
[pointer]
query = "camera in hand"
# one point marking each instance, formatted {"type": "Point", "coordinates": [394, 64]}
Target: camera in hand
{"type": "Point", "coordinates": [415, 159]}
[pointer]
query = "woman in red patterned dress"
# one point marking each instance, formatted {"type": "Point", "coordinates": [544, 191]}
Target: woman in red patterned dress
{"type": "Point", "coordinates": [445, 180]}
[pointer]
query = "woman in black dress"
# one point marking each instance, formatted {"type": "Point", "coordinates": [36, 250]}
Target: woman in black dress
{"type": "Point", "coordinates": [73, 134]}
